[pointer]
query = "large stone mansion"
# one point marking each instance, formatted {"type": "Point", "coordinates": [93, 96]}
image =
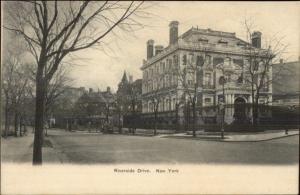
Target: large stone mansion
{"type": "Point", "coordinates": [217, 56]}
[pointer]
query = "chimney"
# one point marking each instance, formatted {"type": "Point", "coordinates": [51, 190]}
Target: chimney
{"type": "Point", "coordinates": [150, 45]}
{"type": "Point", "coordinates": [108, 89]}
{"type": "Point", "coordinates": [158, 49]}
{"type": "Point", "coordinates": [256, 39]}
{"type": "Point", "coordinates": [173, 32]}
{"type": "Point", "coordinates": [281, 61]}
{"type": "Point", "coordinates": [90, 90]}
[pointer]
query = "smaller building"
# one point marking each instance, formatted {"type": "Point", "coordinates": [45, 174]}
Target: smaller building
{"type": "Point", "coordinates": [286, 84]}
{"type": "Point", "coordinates": [93, 108]}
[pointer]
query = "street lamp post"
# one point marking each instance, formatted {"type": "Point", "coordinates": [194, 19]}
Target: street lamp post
{"type": "Point", "coordinates": [222, 105]}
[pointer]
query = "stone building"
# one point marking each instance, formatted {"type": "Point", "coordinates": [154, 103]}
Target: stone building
{"type": "Point", "coordinates": [94, 108]}
{"type": "Point", "coordinates": [216, 56]}
{"type": "Point", "coordinates": [129, 98]}
{"type": "Point", "coordinates": [286, 83]}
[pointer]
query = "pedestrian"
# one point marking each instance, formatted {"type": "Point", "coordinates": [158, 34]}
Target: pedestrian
{"type": "Point", "coordinates": [286, 131]}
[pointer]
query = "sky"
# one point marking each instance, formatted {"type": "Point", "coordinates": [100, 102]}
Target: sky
{"type": "Point", "coordinates": [125, 52]}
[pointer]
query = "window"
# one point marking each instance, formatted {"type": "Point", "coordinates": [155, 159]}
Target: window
{"type": "Point", "coordinates": [167, 105]}
{"type": "Point", "coordinates": [266, 85]}
{"type": "Point", "coordinates": [203, 40]}
{"type": "Point", "coordinates": [155, 84]}
{"type": "Point", "coordinates": [175, 61]}
{"type": "Point", "coordinates": [239, 62]}
{"type": "Point", "coordinates": [170, 64]}
{"type": "Point", "coordinates": [255, 65]}
{"type": "Point", "coordinates": [200, 61]}
{"type": "Point", "coordinates": [227, 61]}
{"type": "Point", "coordinates": [174, 80]}
{"type": "Point", "coordinates": [208, 59]}
{"type": "Point", "coordinates": [207, 100]}
{"type": "Point", "coordinates": [190, 79]}
{"type": "Point", "coordinates": [191, 59]}
{"type": "Point", "coordinates": [228, 77]}
{"type": "Point", "coordinates": [217, 61]}
{"type": "Point", "coordinates": [167, 81]}
{"type": "Point", "coordinates": [222, 80]}
{"type": "Point", "coordinates": [222, 41]}
{"type": "Point", "coordinates": [240, 79]}
{"type": "Point", "coordinates": [174, 104]}
{"type": "Point", "coordinates": [184, 60]}
{"type": "Point", "coordinates": [207, 80]}
{"type": "Point", "coordinates": [167, 64]}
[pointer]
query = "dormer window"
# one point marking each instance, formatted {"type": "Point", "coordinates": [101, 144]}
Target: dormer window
{"type": "Point", "coordinates": [203, 40]}
{"type": "Point", "coordinates": [241, 44]}
{"type": "Point", "coordinates": [222, 41]}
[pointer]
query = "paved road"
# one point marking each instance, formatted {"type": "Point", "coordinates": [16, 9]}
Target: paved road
{"type": "Point", "coordinates": [98, 148]}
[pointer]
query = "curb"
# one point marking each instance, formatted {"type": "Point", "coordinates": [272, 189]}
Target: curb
{"type": "Point", "coordinates": [274, 138]}
{"type": "Point", "coordinates": [225, 140]}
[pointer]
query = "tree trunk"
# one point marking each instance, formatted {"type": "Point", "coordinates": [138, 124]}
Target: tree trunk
{"type": "Point", "coordinates": [177, 118]}
{"type": "Point", "coordinates": [20, 125]}
{"type": "Point", "coordinates": [6, 128]}
{"type": "Point", "coordinates": [120, 128]}
{"type": "Point", "coordinates": [39, 120]}
{"type": "Point", "coordinates": [16, 124]}
{"type": "Point", "coordinates": [155, 119]}
{"type": "Point", "coordinates": [194, 119]}
{"type": "Point", "coordinates": [253, 107]}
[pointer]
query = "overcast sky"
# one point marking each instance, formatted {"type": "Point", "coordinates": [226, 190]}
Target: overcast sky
{"type": "Point", "coordinates": [126, 52]}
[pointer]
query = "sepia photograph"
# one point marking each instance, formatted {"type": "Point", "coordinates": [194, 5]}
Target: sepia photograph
{"type": "Point", "coordinates": [150, 97]}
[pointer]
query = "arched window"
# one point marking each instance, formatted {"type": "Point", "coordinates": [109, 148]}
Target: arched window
{"type": "Point", "coordinates": [222, 80]}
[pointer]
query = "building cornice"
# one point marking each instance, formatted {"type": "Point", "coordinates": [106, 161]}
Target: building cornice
{"type": "Point", "coordinates": [211, 48]}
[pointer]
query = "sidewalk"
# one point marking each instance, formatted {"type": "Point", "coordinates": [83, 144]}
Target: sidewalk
{"type": "Point", "coordinates": [263, 136]}
{"type": "Point", "coordinates": [20, 149]}
{"type": "Point", "coordinates": [237, 137]}
{"type": "Point", "coordinates": [211, 136]}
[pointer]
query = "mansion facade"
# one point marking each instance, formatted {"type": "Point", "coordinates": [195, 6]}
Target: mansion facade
{"type": "Point", "coordinates": [210, 66]}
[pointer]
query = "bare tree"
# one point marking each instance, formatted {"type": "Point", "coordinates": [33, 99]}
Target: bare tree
{"type": "Point", "coordinates": [134, 98]}
{"type": "Point", "coordinates": [53, 30]}
{"type": "Point", "coordinates": [258, 70]}
{"type": "Point", "coordinates": [155, 101]}
{"type": "Point", "coordinates": [189, 76]}
{"type": "Point", "coordinates": [55, 89]}
{"type": "Point", "coordinates": [15, 84]}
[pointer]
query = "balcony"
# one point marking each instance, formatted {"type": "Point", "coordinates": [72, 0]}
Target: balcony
{"type": "Point", "coordinates": [208, 86]}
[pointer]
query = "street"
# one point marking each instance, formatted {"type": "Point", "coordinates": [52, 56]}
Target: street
{"type": "Point", "coordinates": [84, 148]}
